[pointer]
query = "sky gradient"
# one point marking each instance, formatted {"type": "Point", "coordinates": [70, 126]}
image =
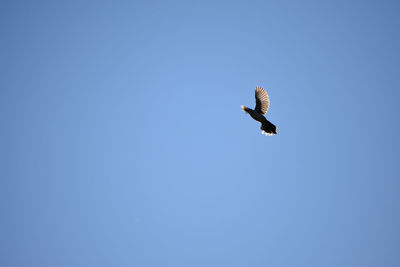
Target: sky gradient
{"type": "Point", "coordinates": [123, 142]}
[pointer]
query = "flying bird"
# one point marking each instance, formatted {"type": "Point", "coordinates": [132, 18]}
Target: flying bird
{"type": "Point", "coordinates": [262, 105]}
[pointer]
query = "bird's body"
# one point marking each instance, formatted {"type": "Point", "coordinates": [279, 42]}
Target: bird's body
{"type": "Point", "coordinates": [262, 105]}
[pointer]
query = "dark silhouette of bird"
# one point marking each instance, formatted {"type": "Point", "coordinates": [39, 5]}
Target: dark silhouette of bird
{"type": "Point", "coordinates": [262, 105]}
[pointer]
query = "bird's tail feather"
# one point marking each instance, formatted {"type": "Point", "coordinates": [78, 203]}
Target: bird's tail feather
{"type": "Point", "coordinates": [268, 128]}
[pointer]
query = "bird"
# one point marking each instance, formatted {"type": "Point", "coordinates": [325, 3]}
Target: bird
{"type": "Point", "coordinates": [262, 105]}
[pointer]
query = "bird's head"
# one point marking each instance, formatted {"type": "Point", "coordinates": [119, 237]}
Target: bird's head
{"type": "Point", "coordinates": [244, 108]}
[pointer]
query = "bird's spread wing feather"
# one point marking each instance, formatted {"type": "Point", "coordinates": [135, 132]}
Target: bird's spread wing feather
{"type": "Point", "coordinates": [262, 100]}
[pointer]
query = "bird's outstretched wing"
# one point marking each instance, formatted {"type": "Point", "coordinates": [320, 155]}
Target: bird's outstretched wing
{"type": "Point", "coordinates": [262, 100]}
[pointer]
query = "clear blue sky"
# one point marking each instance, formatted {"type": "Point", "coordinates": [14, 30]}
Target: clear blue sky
{"type": "Point", "coordinates": [123, 142]}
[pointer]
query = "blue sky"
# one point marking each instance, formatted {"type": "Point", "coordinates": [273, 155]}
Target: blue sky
{"type": "Point", "coordinates": [123, 142]}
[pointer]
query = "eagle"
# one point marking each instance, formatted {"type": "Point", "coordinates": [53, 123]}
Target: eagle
{"type": "Point", "coordinates": [262, 105]}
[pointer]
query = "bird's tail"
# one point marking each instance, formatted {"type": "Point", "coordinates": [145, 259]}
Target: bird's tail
{"type": "Point", "coordinates": [268, 128]}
